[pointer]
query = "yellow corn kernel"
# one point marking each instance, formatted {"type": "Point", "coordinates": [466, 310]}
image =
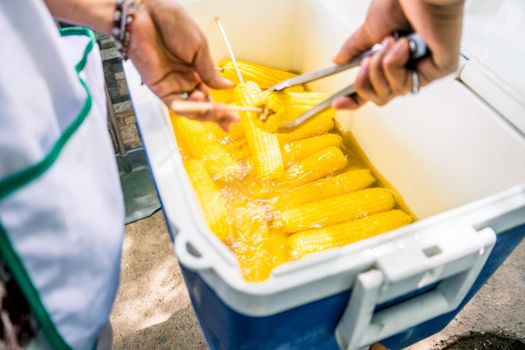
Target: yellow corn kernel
{"type": "Point", "coordinates": [208, 131]}
{"type": "Point", "coordinates": [315, 166]}
{"type": "Point", "coordinates": [211, 201]}
{"type": "Point", "coordinates": [346, 182]}
{"type": "Point", "coordinates": [288, 102]}
{"type": "Point", "coordinates": [264, 146]}
{"type": "Point", "coordinates": [296, 88]}
{"type": "Point", "coordinates": [252, 246]}
{"type": "Point", "coordinates": [288, 106]}
{"type": "Point", "coordinates": [335, 210]}
{"type": "Point", "coordinates": [222, 95]}
{"type": "Point", "coordinates": [318, 125]}
{"type": "Point", "coordinates": [264, 76]}
{"type": "Point", "coordinates": [298, 150]}
{"type": "Point", "coordinates": [314, 241]}
{"type": "Point", "coordinates": [202, 141]}
{"type": "Point", "coordinates": [278, 248]}
{"type": "Point", "coordinates": [239, 150]}
{"type": "Point", "coordinates": [248, 94]}
{"type": "Point", "coordinates": [273, 122]}
{"type": "Point", "coordinates": [236, 131]}
{"type": "Point", "coordinates": [256, 188]}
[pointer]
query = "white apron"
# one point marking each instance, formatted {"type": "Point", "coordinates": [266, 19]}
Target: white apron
{"type": "Point", "coordinates": [61, 209]}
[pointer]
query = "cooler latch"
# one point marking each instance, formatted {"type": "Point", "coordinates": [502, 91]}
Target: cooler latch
{"type": "Point", "coordinates": [451, 259]}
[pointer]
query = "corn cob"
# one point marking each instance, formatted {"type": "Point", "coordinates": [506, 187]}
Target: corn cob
{"type": "Point", "coordinates": [273, 122]}
{"type": "Point", "coordinates": [346, 182]}
{"type": "Point", "coordinates": [314, 241]}
{"type": "Point", "coordinates": [314, 167]}
{"type": "Point", "coordinates": [318, 125]}
{"type": "Point", "coordinates": [335, 210]}
{"type": "Point", "coordinates": [252, 244]}
{"type": "Point", "coordinates": [256, 188]}
{"type": "Point", "coordinates": [201, 141]}
{"type": "Point", "coordinates": [211, 201]}
{"type": "Point", "coordinates": [264, 76]}
{"type": "Point", "coordinates": [236, 131]}
{"type": "Point", "coordinates": [289, 102]}
{"type": "Point", "coordinates": [288, 106]}
{"type": "Point", "coordinates": [213, 132]}
{"type": "Point", "coordinates": [244, 207]}
{"type": "Point", "coordinates": [278, 248]}
{"type": "Point", "coordinates": [239, 150]}
{"type": "Point", "coordinates": [222, 96]}
{"type": "Point", "coordinates": [247, 94]}
{"type": "Point", "coordinates": [206, 131]}
{"type": "Point", "coordinates": [298, 150]}
{"type": "Point", "coordinates": [264, 147]}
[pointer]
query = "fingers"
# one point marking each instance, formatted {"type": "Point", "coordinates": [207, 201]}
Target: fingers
{"type": "Point", "coordinates": [429, 70]}
{"type": "Point", "coordinates": [172, 57]}
{"type": "Point", "coordinates": [362, 82]}
{"type": "Point", "coordinates": [173, 83]}
{"type": "Point", "coordinates": [222, 116]}
{"type": "Point", "coordinates": [349, 102]}
{"type": "Point", "coordinates": [218, 114]}
{"type": "Point", "coordinates": [206, 70]}
{"type": "Point", "coordinates": [357, 43]}
{"type": "Point", "coordinates": [371, 83]}
{"type": "Point", "coordinates": [378, 80]}
{"type": "Point", "coordinates": [385, 76]}
{"type": "Point", "coordinates": [394, 66]}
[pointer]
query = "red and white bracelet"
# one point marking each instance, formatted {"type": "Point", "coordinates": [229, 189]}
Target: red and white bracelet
{"type": "Point", "coordinates": [125, 11]}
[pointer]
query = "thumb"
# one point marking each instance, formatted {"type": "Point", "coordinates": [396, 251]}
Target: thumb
{"type": "Point", "coordinates": [206, 69]}
{"type": "Point", "coordinates": [358, 42]}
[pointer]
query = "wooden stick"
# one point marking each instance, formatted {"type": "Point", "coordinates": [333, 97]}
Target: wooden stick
{"type": "Point", "coordinates": [230, 50]}
{"type": "Point", "coordinates": [201, 107]}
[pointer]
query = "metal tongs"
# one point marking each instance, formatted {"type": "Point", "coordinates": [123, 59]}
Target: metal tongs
{"type": "Point", "coordinates": [418, 49]}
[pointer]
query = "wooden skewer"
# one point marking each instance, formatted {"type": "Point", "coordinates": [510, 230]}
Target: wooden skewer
{"type": "Point", "coordinates": [263, 114]}
{"type": "Point", "coordinates": [230, 50]}
{"type": "Point", "coordinates": [201, 107]}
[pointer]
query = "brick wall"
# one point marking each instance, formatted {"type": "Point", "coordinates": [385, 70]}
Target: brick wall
{"type": "Point", "coordinates": [119, 94]}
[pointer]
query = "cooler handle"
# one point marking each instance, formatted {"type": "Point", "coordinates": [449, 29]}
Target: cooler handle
{"type": "Point", "coordinates": [188, 254]}
{"type": "Point", "coordinates": [361, 326]}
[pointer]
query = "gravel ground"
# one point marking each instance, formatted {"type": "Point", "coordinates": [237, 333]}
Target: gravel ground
{"type": "Point", "coordinates": [153, 310]}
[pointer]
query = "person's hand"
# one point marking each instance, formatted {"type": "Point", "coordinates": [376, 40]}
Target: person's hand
{"type": "Point", "coordinates": [384, 75]}
{"type": "Point", "coordinates": [172, 56]}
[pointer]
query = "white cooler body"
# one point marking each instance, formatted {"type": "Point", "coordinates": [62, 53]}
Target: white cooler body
{"type": "Point", "coordinates": [456, 153]}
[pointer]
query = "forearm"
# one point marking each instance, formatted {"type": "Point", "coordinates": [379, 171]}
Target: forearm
{"type": "Point", "coordinates": [96, 14]}
{"type": "Point", "coordinates": [445, 2]}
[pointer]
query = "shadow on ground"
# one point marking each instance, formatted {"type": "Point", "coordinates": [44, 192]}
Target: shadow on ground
{"type": "Point", "coordinates": [180, 331]}
{"type": "Point", "coordinates": [152, 310]}
{"type": "Point", "coordinates": [486, 342]}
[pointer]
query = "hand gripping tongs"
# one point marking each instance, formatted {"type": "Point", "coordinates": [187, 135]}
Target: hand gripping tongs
{"type": "Point", "coordinates": [418, 49]}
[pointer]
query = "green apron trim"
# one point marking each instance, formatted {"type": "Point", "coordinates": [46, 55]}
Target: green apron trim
{"type": "Point", "coordinates": [89, 47]}
{"type": "Point", "coordinates": [21, 178]}
{"type": "Point", "coordinates": [19, 273]}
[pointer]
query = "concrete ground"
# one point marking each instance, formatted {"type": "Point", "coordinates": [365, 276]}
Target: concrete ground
{"type": "Point", "coordinates": [153, 310]}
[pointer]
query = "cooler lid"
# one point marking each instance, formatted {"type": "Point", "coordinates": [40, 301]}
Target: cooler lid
{"type": "Point", "coordinates": [494, 45]}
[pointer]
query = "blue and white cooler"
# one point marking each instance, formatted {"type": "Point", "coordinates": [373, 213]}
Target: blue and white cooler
{"type": "Point", "coordinates": [456, 153]}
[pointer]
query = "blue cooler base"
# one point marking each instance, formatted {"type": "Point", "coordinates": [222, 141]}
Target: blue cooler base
{"type": "Point", "coordinates": [312, 325]}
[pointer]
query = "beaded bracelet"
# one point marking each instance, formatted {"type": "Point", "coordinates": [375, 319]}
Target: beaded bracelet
{"type": "Point", "coordinates": [125, 11]}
